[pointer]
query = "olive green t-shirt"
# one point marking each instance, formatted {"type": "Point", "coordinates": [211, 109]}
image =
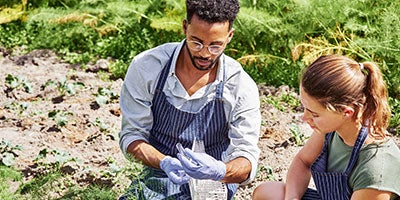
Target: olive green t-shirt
{"type": "Point", "coordinates": [377, 167]}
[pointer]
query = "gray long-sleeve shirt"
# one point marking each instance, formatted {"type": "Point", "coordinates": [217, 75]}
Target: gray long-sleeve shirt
{"type": "Point", "coordinates": [240, 96]}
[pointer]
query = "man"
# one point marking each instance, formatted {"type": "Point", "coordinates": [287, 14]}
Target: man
{"type": "Point", "coordinates": [187, 91]}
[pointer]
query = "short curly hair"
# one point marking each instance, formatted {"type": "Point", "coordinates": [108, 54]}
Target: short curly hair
{"type": "Point", "coordinates": [213, 11]}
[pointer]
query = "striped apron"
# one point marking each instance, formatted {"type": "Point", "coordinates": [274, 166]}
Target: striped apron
{"type": "Point", "coordinates": [333, 185]}
{"type": "Point", "coordinates": [171, 126]}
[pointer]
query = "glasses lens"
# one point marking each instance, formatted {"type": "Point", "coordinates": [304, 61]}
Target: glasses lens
{"type": "Point", "coordinates": [215, 49]}
{"type": "Point", "coordinates": [195, 46]}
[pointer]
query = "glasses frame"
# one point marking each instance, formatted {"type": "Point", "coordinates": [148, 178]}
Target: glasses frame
{"type": "Point", "coordinates": [201, 46]}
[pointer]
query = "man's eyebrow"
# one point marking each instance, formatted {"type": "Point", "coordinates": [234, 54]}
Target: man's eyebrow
{"type": "Point", "coordinates": [196, 38]}
{"type": "Point", "coordinates": [200, 40]}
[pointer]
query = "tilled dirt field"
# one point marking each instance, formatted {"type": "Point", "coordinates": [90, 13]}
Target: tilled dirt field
{"type": "Point", "coordinates": [72, 116]}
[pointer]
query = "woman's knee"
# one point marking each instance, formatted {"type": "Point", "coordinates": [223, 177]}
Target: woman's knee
{"type": "Point", "coordinates": [269, 190]}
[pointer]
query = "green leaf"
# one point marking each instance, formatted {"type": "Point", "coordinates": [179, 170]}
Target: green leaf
{"type": "Point", "coordinates": [8, 159]}
{"type": "Point", "coordinates": [101, 100]}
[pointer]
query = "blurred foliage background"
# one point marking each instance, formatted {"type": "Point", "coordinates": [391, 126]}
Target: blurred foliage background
{"type": "Point", "coordinates": [274, 39]}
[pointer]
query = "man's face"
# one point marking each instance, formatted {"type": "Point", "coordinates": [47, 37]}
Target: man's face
{"type": "Point", "coordinates": [206, 42]}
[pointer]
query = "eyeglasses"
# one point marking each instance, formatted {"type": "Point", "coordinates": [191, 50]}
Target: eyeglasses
{"type": "Point", "coordinates": [213, 49]}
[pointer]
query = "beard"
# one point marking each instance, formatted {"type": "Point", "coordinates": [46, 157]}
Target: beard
{"type": "Point", "coordinates": [202, 68]}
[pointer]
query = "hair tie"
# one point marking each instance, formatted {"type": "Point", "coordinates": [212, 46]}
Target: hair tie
{"type": "Point", "coordinates": [361, 66]}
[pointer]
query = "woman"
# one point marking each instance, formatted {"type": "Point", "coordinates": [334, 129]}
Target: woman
{"type": "Point", "coordinates": [350, 154]}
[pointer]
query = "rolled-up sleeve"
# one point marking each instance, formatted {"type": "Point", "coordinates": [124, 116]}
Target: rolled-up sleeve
{"type": "Point", "coordinates": [135, 103]}
{"type": "Point", "coordinates": [137, 93]}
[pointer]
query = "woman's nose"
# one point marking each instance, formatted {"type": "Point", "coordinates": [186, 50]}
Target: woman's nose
{"type": "Point", "coordinates": [306, 116]}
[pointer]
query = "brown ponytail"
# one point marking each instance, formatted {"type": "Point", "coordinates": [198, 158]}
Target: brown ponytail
{"type": "Point", "coordinates": [376, 109]}
{"type": "Point", "coordinates": [337, 81]}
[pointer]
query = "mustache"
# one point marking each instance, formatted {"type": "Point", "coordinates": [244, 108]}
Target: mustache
{"type": "Point", "coordinates": [201, 58]}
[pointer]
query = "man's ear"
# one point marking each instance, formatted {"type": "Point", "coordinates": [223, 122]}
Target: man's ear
{"type": "Point", "coordinates": [230, 36]}
{"type": "Point", "coordinates": [184, 26]}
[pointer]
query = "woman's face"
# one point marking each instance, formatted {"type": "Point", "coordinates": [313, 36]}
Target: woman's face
{"type": "Point", "coordinates": [318, 117]}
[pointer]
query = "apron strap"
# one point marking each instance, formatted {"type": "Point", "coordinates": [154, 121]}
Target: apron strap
{"type": "Point", "coordinates": [164, 72]}
{"type": "Point", "coordinates": [356, 149]}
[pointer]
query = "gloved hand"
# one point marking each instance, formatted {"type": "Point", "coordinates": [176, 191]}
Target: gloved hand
{"type": "Point", "coordinates": [173, 168]}
{"type": "Point", "coordinates": [201, 165]}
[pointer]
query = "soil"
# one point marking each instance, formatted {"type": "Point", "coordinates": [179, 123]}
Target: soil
{"type": "Point", "coordinates": [86, 146]}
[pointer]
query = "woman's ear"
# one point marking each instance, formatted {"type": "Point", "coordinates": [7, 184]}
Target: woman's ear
{"type": "Point", "coordinates": [348, 112]}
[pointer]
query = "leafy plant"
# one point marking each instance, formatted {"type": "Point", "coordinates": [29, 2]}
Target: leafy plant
{"type": "Point", "coordinates": [268, 171]}
{"type": "Point", "coordinates": [118, 69]}
{"type": "Point", "coordinates": [8, 152]}
{"type": "Point", "coordinates": [20, 107]}
{"type": "Point", "coordinates": [15, 82]}
{"type": "Point", "coordinates": [60, 117]}
{"type": "Point", "coordinates": [395, 118]}
{"type": "Point", "coordinates": [298, 136]}
{"type": "Point", "coordinates": [283, 102]}
{"type": "Point", "coordinates": [105, 95]}
{"type": "Point", "coordinates": [103, 126]}
{"type": "Point", "coordinates": [63, 86]}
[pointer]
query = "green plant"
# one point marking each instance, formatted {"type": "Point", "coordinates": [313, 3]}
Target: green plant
{"type": "Point", "coordinates": [105, 95]}
{"type": "Point", "coordinates": [298, 136]}
{"type": "Point", "coordinates": [40, 187]}
{"type": "Point", "coordinates": [63, 86]}
{"type": "Point", "coordinates": [8, 152]}
{"type": "Point", "coordinates": [8, 175]}
{"type": "Point", "coordinates": [90, 192]}
{"type": "Point", "coordinates": [60, 117]}
{"type": "Point", "coordinates": [268, 171]}
{"type": "Point", "coordinates": [283, 102]}
{"type": "Point", "coordinates": [15, 82]}
{"type": "Point", "coordinates": [103, 126]}
{"type": "Point", "coordinates": [20, 107]}
{"type": "Point", "coordinates": [395, 118]}
{"type": "Point", "coordinates": [119, 68]}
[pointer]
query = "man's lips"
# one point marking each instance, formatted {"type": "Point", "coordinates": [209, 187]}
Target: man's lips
{"type": "Point", "coordinates": [203, 62]}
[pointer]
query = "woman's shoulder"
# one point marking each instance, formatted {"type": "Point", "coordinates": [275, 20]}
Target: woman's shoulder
{"type": "Point", "coordinates": [378, 167]}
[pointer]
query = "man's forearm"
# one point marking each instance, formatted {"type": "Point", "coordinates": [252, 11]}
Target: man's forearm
{"type": "Point", "coordinates": [237, 170]}
{"type": "Point", "coordinates": [146, 153]}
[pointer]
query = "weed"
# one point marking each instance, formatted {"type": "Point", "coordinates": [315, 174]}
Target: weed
{"type": "Point", "coordinates": [40, 186]}
{"type": "Point", "coordinates": [91, 192]}
{"type": "Point", "coordinates": [267, 170]}
{"type": "Point", "coordinates": [8, 175]}
{"type": "Point", "coordinates": [298, 136]}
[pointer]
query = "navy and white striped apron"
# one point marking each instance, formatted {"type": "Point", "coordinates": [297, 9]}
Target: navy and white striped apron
{"type": "Point", "coordinates": [171, 126]}
{"type": "Point", "coordinates": [333, 185]}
